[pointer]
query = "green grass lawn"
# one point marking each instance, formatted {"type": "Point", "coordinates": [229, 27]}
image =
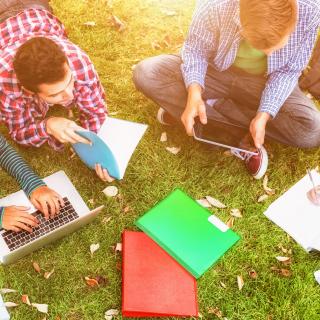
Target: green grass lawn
{"type": "Point", "coordinates": [152, 174]}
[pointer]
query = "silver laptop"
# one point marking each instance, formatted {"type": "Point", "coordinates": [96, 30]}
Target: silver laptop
{"type": "Point", "coordinates": [75, 214]}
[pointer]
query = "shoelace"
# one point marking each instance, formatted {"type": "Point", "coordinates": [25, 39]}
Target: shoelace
{"type": "Point", "coordinates": [242, 155]}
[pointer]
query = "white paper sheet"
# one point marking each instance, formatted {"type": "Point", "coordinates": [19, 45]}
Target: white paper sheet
{"type": "Point", "coordinates": [122, 137]}
{"type": "Point", "coordinates": [295, 214]}
{"type": "Point", "coordinates": [4, 315]}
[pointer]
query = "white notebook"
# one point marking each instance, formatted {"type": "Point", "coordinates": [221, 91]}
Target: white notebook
{"type": "Point", "coordinates": [296, 215]}
{"type": "Point", "coordinates": [112, 147]}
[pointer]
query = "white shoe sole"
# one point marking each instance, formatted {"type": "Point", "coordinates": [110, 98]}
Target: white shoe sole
{"type": "Point", "coordinates": [264, 166]}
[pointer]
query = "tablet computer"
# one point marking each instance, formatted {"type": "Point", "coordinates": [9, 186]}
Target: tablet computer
{"type": "Point", "coordinates": [221, 134]}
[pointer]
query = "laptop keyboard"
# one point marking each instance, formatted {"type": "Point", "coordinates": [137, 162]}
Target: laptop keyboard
{"type": "Point", "coordinates": [15, 240]}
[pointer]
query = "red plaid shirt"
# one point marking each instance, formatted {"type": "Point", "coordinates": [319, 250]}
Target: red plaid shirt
{"type": "Point", "coordinates": [24, 113]}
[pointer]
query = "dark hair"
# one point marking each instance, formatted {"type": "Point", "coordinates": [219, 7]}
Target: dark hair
{"type": "Point", "coordinates": [39, 60]}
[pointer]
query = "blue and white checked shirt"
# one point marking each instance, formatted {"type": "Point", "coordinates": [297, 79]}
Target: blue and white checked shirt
{"type": "Point", "coordinates": [214, 37]}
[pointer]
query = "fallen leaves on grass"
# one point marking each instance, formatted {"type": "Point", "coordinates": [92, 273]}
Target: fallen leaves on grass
{"type": "Point", "coordinates": [155, 45]}
{"type": "Point", "coordinates": [173, 150]}
{"type": "Point", "coordinates": [118, 247]}
{"type": "Point", "coordinates": [91, 282]}
{"type": "Point", "coordinates": [164, 137]}
{"type": "Point", "coordinates": [253, 274]}
{"type": "Point", "coordinates": [216, 311]}
{"type": "Point", "coordinates": [204, 203]}
{"type": "Point", "coordinates": [109, 314]}
{"type": "Point", "coordinates": [283, 272]}
{"type": "Point", "coordinates": [263, 198]}
{"type": "Point", "coordinates": [284, 260]}
{"type": "Point", "coordinates": [89, 24]}
{"type": "Point", "coordinates": [117, 23]}
{"type": "Point", "coordinates": [6, 290]}
{"type": "Point", "coordinates": [240, 282]}
{"type": "Point", "coordinates": [168, 12]}
{"type": "Point", "coordinates": [48, 274]}
{"type": "Point", "coordinates": [25, 299]}
{"type": "Point", "coordinates": [110, 191]}
{"type": "Point", "coordinates": [41, 307]}
{"type": "Point", "coordinates": [230, 222]}
{"type": "Point", "coordinates": [236, 213]}
{"type": "Point", "coordinates": [36, 267]}
{"type": "Point", "coordinates": [223, 285]}
{"type": "Point", "coordinates": [216, 203]}
{"type": "Point", "coordinates": [106, 219]}
{"type": "Point", "coordinates": [268, 190]}
{"type": "Point", "coordinates": [93, 248]}
{"type": "Point", "coordinates": [10, 304]}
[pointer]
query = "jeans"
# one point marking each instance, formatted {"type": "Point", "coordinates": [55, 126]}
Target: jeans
{"type": "Point", "coordinates": [238, 93]}
{"type": "Point", "coordinates": [10, 8]}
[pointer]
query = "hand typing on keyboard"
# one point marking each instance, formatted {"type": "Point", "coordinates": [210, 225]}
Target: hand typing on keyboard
{"type": "Point", "coordinates": [47, 201]}
{"type": "Point", "coordinates": [17, 219]}
{"type": "Point", "coordinates": [44, 199]}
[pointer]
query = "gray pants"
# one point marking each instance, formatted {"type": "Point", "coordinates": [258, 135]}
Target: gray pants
{"type": "Point", "coordinates": [10, 8]}
{"type": "Point", "coordinates": [239, 93]}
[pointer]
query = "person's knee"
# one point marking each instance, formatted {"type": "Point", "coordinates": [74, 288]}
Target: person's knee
{"type": "Point", "coordinates": [310, 133]}
{"type": "Point", "coordinates": [144, 75]}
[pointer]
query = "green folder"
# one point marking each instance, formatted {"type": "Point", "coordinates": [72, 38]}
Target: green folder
{"type": "Point", "coordinates": [188, 232]}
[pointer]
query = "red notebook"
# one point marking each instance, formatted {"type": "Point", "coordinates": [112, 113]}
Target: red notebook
{"type": "Point", "coordinates": [153, 283]}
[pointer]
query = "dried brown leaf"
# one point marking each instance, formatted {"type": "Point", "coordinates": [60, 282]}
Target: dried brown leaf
{"type": "Point", "coordinates": [215, 203]}
{"type": "Point", "coordinates": [236, 213]}
{"type": "Point", "coordinates": [118, 247]}
{"type": "Point", "coordinates": [283, 272]}
{"type": "Point", "coordinates": [117, 23]}
{"type": "Point", "coordinates": [25, 299]}
{"type": "Point", "coordinates": [126, 209]}
{"type": "Point", "coordinates": [10, 304]}
{"type": "Point", "coordinates": [240, 282]}
{"type": "Point", "coordinates": [173, 150]}
{"type": "Point", "coordinates": [283, 259]}
{"type": "Point", "coordinates": [230, 222]}
{"type": "Point", "coordinates": [91, 282]}
{"type": "Point", "coordinates": [216, 311]}
{"type": "Point", "coordinates": [267, 190]}
{"type": "Point", "coordinates": [41, 307]}
{"type": "Point", "coordinates": [89, 24]}
{"type": "Point", "coordinates": [109, 314]}
{"type": "Point", "coordinates": [155, 45]}
{"type": "Point", "coordinates": [204, 203]}
{"type": "Point", "coordinates": [106, 219]}
{"type": "Point", "coordinates": [168, 12]}
{"type": "Point", "coordinates": [36, 267]}
{"type": "Point", "coordinates": [164, 137]}
{"type": "Point", "coordinates": [263, 198]}
{"type": "Point", "coordinates": [93, 248]}
{"type": "Point", "coordinates": [110, 191]}
{"type": "Point", "coordinates": [47, 275]}
{"type": "Point", "coordinates": [253, 274]}
{"type": "Point", "coordinates": [6, 290]}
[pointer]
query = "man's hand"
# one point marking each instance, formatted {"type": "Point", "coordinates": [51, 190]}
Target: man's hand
{"type": "Point", "coordinates": [258, 128]}
{"type": "Point", "coordinates": [64, 130]}
{"type": "Point", "coordinates": [103, 173]}
{"type": "Point", "coordinates": [18, 219]}
{"type": "Point", "coordinates": [47, 201]}
{"type": "Point", "coordinates": [195, 107]}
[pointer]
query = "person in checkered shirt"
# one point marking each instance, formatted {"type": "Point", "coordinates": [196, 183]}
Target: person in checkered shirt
{"type": "Point", "coordinates": [240, 65]}
{"type": "Point", "coordinates": [40, 67]}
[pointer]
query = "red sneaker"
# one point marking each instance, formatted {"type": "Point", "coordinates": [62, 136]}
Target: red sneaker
{"type": "Point", "coordinates": [256, 165]}
{"type": "Point", "coordinates": [165, 118]}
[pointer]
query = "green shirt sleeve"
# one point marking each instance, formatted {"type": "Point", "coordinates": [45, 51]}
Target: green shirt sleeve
{"type": "Point", "coordinates": [18, 168]}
